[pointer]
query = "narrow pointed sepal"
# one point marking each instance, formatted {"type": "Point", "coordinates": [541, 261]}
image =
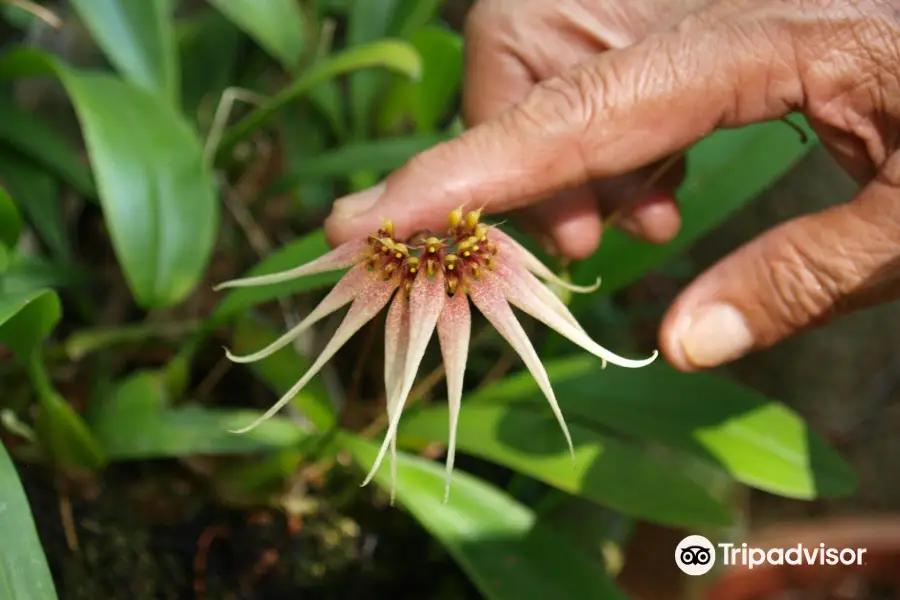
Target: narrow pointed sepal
{"type": "Point", "coordinates": [521, 254]}
{"type": "Point", "coordinates": [342, 257]}
{"type": "Point", "coordinates": [523, 299]}
{"type": "Point", "coordinates": [341, 294]}
{"type": "Point", "coordinates": [515, 275]}
{"type": "Point", "coordinates": [454, 329]}
{"type": "Point", "coordinates": [488, 296]}
{"type": "Point", "coordinates": [426, 299]}
{"type": "Point", "coordinates": [396, 342]}
{"type": "Point", "coordinates": [368, 303]}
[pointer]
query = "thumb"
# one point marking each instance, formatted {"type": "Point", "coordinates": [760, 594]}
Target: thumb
{"type": "Point", "coordinates": [617, 112]}
{"type": "Point", "coordinates": [792, 278]}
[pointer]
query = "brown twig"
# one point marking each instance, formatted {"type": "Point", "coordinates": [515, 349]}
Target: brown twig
{"type": "Point", "coordinates": [645, 187]}
{"type": "Point", "coordinates": [203, 544]}
{"type": "Point", "coordinates": [213, 378]}
{"type": "Point", "coordinates": [68, 522]}
{"type": "Point", "coordinates": [803, 137]}
{"type": "Point", "coordinates": [267, 560]}
{"type": "Point", "coordinates": [499, 370]}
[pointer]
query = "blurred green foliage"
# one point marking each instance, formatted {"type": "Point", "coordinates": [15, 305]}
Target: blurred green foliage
{"type": "Point", "coordinates": [190, 99]}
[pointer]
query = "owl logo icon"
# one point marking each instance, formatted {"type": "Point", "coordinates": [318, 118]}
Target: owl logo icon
{"type": "Point", "coordinates": [695, 555]}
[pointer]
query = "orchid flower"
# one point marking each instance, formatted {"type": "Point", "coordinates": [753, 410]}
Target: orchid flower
{"type": "Point", "coordinates": [431, 284]}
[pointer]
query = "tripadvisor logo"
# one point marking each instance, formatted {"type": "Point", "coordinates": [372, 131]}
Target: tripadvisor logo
{"type": "Point", "coordinates": [696, 555]}
{"type": "Point", "coordinates": [733, 554]}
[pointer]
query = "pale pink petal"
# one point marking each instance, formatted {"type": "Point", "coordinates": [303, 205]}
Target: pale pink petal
{"type": "Point", "coordinates": [454, 329]}
{"type": "Point", "coordinates": [345, 255]}
{"type": "Point", "coordinates": [518, 281]}
{"type": "Point", "coordinates": [396, 342]}
{"type": "Point", "coordinates": [516, 275]}
{"type": "Point", "coordinates": [488, 296]}
{"type": "Point", "coordinates": [528, 260]}
{"type": "Point", "coordinates": [343, 292]}
{"type": "Point", "coordinates": [522, 299]}
{"type": "Point", "coordinates": [368, 303]}
{"type": "Point", "coordinates": [426, 299]}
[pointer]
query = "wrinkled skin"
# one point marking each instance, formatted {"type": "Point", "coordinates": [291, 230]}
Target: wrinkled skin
{"type": "Point", "coordinates": [573, 100]}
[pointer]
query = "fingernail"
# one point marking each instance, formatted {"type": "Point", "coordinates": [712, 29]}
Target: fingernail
{"type": "Point", "coordinates": [714, 335]}
{"type": "Point", "coordinates": [358, 203]}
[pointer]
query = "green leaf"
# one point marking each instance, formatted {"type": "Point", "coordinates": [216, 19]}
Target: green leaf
{"type": "Point", "coordinates": [758, 441]}
{"type": "Point", "coordinates": [156, 191]}
{"type": "Point", "coordinates": [28, 273]}
{"type": "Point", "coordinates": [277, 25]}
{"type": "Point", "coordinates": [391, 54]}
{"type": "Point", "coordinates": [429, 99]}
{"type": "Point", "coordinates": [304, 139]}
{"type": "Point", "coordinates": [606, 470]}
{"type": "Point", "coordinates": [65, 436]}
{"type": "Point", "coordinates": [506, 552]}
{"type": "Point", "coordinates": [726, 170]}
{"type": "Point", "coordinates": [10, 221]}
{"type": "Point", "coordinates": [368, 20]}
{"type": "Point", "coordinates": [24, 573]}
{"type": "Point", "coordinates": [294, 254]}
{"type": "Point", "coordinates": [134, 423]}
{"type": "Point", "coordinates": [374, 155]}
{"type": "Point", "coordinates": [138, 39]}
{"type": "Point", "coordinates": [411, 15]}
{"type": "Point", "coordinates": [27, 319]}
{"type": "Point", "coordinates": [281, 370]}
{"type": "Point", "coordinates": [208, 46]}
{"type": "Point", "coordinates": [38, 195]}
{"type": "Point", "coordinates": [39, 142]}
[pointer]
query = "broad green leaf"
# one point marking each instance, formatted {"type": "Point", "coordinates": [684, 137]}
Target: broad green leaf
{"type": "Point", "coordinates": [606, 470]}
{"type": "Point", "coordinates": [10, 220]}
{"type": "Point", "coordinates": [156, 191]}
{"type": "Point", "coordinates": [24, 573]}
{"type": "Point", "coordinates": [281, 370]}
{"type": "Point", "coordinates": [724, 171]}
{"type": "Point", "coordinates": [392, 54]}
{"type": "Point", "coordinates": [26, 319]}
{"type": "Point", "coordinates": [367, 21]}
{"type": "Point", "coordinates": [294, 254]}
{"type": "Point", "coordinates": [137, 37]}
{"type": "Point", "coordinates": [135, 423]}
{"type": "Point", "coordinates": [28, 273]}
{"type": "Point", "coordinates": [87, 341]}
{"type": "Point", "coordinates": [429, 99]}
{"type": "Point", "coordinates": [758, 441]}
{"type": "Point", "coordinates": [65, 436]}
{"type": "Point", "coordinates": [374, 155]}
{"type": "Point", "coordinates": [39, 142]}
{"type": "Point", "coordinates": [38, 196]}
{"type": "Point", "coordinates": [278, 26]}
{"type": "Point", "coordinates": [506, 552]}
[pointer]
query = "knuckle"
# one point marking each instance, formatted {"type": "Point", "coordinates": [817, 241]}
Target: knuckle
{"type": "Point", "coordinates": [804, 288]}
{"type": "Point", "coordinates": [567, 103]}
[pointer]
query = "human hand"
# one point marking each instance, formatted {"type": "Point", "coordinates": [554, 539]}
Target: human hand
{"type": "Point", "coordinates": [669, 80]}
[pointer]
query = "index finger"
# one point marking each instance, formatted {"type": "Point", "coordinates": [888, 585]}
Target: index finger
{"type": "Point", "coordinates": [614, 113]}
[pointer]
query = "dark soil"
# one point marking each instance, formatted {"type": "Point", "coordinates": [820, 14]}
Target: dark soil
{"type": "Point", "coordinates": [174, 543]}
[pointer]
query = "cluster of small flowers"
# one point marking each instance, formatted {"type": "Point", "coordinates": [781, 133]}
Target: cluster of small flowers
{"type": "Point", "coordinates": [431, 281]}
